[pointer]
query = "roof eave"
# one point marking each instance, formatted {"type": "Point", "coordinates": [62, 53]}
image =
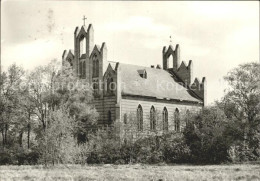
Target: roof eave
{"type": "Point", "coordinates": [167, 99]}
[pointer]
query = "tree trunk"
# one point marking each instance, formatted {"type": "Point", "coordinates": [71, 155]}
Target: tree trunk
{"type": "Point", "coordinates": [3, 137]}
{"type": "Point", "coordinates": [5, 133]}
{"type": "Point", "coordinates": [43, 122]}
{"type": "Point", "coordinates": [28, 130]}
{"type": "Point", "coordinates": [21, 139]}
{"type": "Point", "coordinates": [28, 135]}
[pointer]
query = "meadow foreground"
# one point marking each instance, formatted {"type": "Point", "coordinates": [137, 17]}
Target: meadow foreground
{"type": "Point", "coordinates": [131, 172]}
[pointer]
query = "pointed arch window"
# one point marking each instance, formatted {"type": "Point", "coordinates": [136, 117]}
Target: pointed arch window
{"type": "Point", "coordinates": [95, 64]}
{"type": "Point", "coordinates": [165, 119]}
{"type": "Point", "coordinates": [80, 70]}
{"type": "Point", "coordinates": [110, 85]}
{"type": "Point", "coordinates": [97, 67]}
{"type": "Point", "coordinates": [177, 120]}
{"type": "Point", "coordinates": [140, 118]}
{"type": "Point", "coordinates": [84, 69]}
{"type": "Point", "coordinates": [152, 119]}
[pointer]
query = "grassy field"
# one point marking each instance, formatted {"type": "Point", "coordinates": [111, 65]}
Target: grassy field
{"type": "Point", "coordinates": [131, 172]}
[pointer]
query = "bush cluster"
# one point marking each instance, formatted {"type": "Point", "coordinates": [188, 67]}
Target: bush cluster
{"type": "Point", "coordinates": [9, 157]}
{"type": "Point", "coordinates": [168, 148]}
{"type": "Point", "coordinates": [208, 138]}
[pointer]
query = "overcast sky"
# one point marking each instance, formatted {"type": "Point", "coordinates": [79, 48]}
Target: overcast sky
{"type": "Point", "coordinates": [217, 36]}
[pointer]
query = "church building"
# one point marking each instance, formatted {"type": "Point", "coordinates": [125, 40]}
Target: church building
{"type": "Point", "coordinates": [137, 100]}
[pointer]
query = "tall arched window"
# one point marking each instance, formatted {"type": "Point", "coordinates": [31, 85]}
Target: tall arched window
{"type": "Point", "coordinates": [139, 118]}
{"type": "Point", "coordinates": [110, 85]}
{"type": "Point", "coordinates": [177, 120]}
{"type": "Point", "coordinates": [95, 66]}
{"type": "Point", "coordinates": [152, 119]}
{"type": "Point", "coordinates": [109, 117]}
{"type": "Point", "coordinates": [84, 69]}
{"type": "Point", "coordinates": [165, 119]}
{"type": "Point", "coordinates": [80, 70]}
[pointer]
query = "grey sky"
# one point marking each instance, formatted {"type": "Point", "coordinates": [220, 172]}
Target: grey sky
{"type": "Point", "coordinates": [217, 36]}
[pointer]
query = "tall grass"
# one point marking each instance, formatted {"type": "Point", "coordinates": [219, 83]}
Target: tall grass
{"type": "Point", "coordinates": [131, 172]}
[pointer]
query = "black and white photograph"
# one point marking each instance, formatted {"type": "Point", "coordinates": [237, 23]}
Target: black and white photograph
{"type": "Point", "coordinates": [129, 90]}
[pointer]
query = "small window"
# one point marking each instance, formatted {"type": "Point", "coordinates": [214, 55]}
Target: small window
{"type": "Point", "coordinates": [125, 118]}
{"type": "Point", "coordinates": [142, 73]}
{"type": "Point", "coordinates": [95, 86]}
{"type": "Point", "coordinates": [70, 62]}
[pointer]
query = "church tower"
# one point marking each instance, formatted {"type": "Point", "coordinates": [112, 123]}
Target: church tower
{"type": "Point", "coordinates": [89, 60]}
{"type": "Point", "coordinates": [173, 55]}
{"type": "Point", "coordinates": [182, 72]}
{"type": "Point", "coordinates": [83, 46]}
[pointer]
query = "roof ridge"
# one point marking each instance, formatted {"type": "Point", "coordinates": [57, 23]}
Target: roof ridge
{"type": "Point", "coordinates": [141, 66]}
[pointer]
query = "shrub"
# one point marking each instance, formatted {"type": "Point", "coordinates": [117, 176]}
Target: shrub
{"type": "Point", "coordinates": [205, 136]}
{"type": "Point", "coordinates": [93, 158]}
{"type": "Point", "coordinates": [33, 157]}
{"type": "Point", "coordinates": [120, 162]}
{"type": "Point", "coordinates": [169, 148]}
{"type": "Point", "coordinates": [175, 149]}
{"type": "Point", "coordinates": [148, 150]}
{"type": "Point", "coordinates": [5, 158]}
{"type": "Point", "coordinates": [108, 152]}
{"type": "Point", "coordinates": [21, 158]}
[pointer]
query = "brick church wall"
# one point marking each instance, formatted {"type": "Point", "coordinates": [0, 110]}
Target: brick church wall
{"type": "Point", "coordinates": [103, 106]}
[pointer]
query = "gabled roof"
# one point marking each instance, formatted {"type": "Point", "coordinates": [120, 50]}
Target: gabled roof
{"type": "Point", "coordinates": [70, 53]}
{"type": "Point", "coordinates": [97, 47]}
{"type": "Point", "coordinates": [109, 70]}
{"type": "Point", "coordinates": [67, 53]}
{"type": "Point", "coordinates": [83, 30]}
{"type": "Point", "coordinates": [159, 84]}
{"type": "Point", "coordinates": [113, 65]}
